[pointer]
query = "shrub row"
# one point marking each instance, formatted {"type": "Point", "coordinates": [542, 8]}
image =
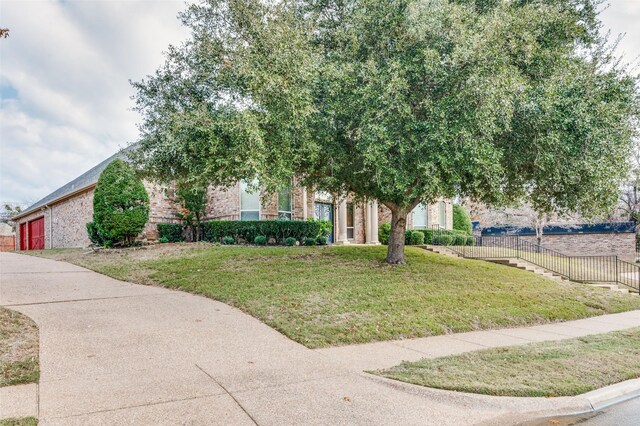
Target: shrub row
{"type": "Point", "coordinates": [170, 232]}
{"type": "Point", "coordinates": [455, 240]}
{"type": "Point", "coordinates": [427, 236]}
{"type": "Point", "coordinates": [430, 234]}
{"type": "Point", "coordinates": [279, 230]}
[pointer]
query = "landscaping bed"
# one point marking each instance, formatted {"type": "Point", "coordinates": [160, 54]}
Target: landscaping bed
{"type": "Point", "coordinates": [560, 368]}
{"type": "Point", "coordinates": [338, 295]}
{"type": "Point", "coordinates": [18, 349]}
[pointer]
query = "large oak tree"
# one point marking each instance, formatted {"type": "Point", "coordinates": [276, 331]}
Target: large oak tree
{"type": "Point", "coordinates": [403, 101]}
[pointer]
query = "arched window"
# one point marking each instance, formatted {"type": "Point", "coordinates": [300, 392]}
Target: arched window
{"type": "Point", "coordinates": [442, 214]}
{"type": "Point", "coordinates": [249, 202]}
{"type": "Point", "coordinates": [420, 217]}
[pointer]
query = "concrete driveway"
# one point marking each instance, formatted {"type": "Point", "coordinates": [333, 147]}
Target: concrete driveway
{"type": "Point", "coordinates": [116, 353]}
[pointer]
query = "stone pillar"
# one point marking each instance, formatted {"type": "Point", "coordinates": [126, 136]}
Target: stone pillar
{"type": "Point", "coordinates": [374, 222]}
{"type": "Point", "coordinates": [367, 222]}
{"type": "Point", "coordinates": [305, 202]}
{"type": "Point", "coordinates": [342, 221]}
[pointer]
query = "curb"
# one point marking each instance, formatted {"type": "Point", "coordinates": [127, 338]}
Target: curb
{"type": "Point", "coordinates": [526, 410]}
{"type": "Point", "coordinates": [599, 399]}
{"type": "Point", "coordinates": [613, 394]}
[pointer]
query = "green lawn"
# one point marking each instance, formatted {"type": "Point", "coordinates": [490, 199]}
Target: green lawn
{"type": "Point", "coordinates": [324, 296]}
{"type": "Point", "coordinates": [21, 421]}
{"type": "Point", "coordinates": [18, 349]}
{"type": "Point", "coordinates": [562, 368]}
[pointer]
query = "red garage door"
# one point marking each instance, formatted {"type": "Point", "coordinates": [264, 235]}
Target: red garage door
{"type": "Point", "coordinates": [36, 234]}
{"type": "Point", "coordinates": [23, 236]}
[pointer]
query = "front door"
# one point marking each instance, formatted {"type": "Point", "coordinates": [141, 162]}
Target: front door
{"type": "Point", "coordinates": [324, 211]}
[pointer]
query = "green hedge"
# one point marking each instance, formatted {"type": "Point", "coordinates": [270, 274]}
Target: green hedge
{"type": "Point", "coordinates": [429, 234]}
{"type": "Point", "coordinates": [248, 230]}
{"type": "Point", "coordinates": [384, 231]}
{"type": "Point", "coordinates": [170, 232]}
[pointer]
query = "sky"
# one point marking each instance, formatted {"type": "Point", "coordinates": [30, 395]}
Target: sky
{"type": "Point", "coordinates": [65, 97]}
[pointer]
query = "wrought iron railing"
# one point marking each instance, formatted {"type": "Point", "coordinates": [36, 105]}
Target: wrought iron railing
{"type": "Point", "coordinates": [597, 269]}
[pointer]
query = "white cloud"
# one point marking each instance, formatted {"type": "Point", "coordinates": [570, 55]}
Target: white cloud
{"type": "Point", "coordinates": [622, 18]}
{"type": "Point", "coordinates": [66, 66]}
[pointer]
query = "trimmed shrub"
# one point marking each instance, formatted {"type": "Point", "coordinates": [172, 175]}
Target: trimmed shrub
{"type": "Point", "coordinates": [260, 240]}
{"type": "Point", "coordinates": [471, 241]}
{"type": "Point", "coordinates": [417, 238]}
{"type": "Point", "coordinates": [163, 240]}
{"type": "Point", "coordinates": [407, 237]}
{"type": "Point", "coordinates": [430, 233]}
{"type": "Point", "coordinates": [248, 230]}
{"type": "Point", "coordinates": [443, 240]}
{"type": "Point", "coordinates": [309, 241]}
{"type": "Point", "coordinates": [459, 240]}
{"type": "Point", "coordinates": [321, 240]}
{"type": "Point", "coordinates": [461, 220]}
{"type": "Point", "coordinates": [290, 241]}
{"type": "Point", "coordinates": [171, 232]}
{"type": "Point", "coordinates": [228, 241]}
{"type": "Point", "coordinates": [120, 204]}
{"type": "Point", "coordinates": [384, 231]}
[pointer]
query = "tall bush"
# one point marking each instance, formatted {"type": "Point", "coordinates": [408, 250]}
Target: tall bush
{"type": "Point", "coordinates": [120, 205]}
{"type": "Point", "coordinates": [461, 220]}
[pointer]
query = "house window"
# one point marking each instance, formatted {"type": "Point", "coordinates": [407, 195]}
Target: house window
{"type": "Point", "coordinates": [442, 214]}
{"type": "Point", "coordinates": [350, 221]}
{"type": "Point", "coordinates": [420, 217]}
{"type": "Point", "coordinates": [284, 204]}
{"type": "Point", "coordinates": [249, 202]}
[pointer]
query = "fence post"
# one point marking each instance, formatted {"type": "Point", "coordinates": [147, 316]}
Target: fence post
{"type": "Point", "coordinates": [616, 278]}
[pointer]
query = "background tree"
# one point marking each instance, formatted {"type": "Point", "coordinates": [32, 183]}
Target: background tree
{"type": "Point", "coordinates": [403, 101]}
{"type": "Point", "coordinates": [120, 205]}
{"type": "Point", "coordinates": [628, 208]}
{"type": "Point", "coordinates": [8, 212]}
{"type": "Point", "coordinates": [521, 216]}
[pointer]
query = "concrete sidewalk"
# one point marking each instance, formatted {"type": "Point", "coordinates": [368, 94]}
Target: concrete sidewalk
{"type": "Point", "coordinates": [378, 355]}
{"type": "Point", "coordinates": [115, 353]}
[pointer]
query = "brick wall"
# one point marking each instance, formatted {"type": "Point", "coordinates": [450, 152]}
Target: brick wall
{"type": "Point", "coordinates": [223, 204]}
{"type": "Point", "coordinates": [162, 209]}
{"type": "Point", "coordinates": [69, 221]}
{"type": "Point", "coordinates": [621, 244]}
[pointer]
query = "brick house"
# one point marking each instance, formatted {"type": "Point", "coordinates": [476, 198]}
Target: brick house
{"type": "Point", "coordinates": [59, 219]}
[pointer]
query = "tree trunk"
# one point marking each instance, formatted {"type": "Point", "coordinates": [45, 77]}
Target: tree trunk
{"type": "Point", "coordinates": [395, 250]}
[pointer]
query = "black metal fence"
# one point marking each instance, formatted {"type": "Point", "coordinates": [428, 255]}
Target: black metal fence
{"type": "Point", "coordinates": [600, 269]}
